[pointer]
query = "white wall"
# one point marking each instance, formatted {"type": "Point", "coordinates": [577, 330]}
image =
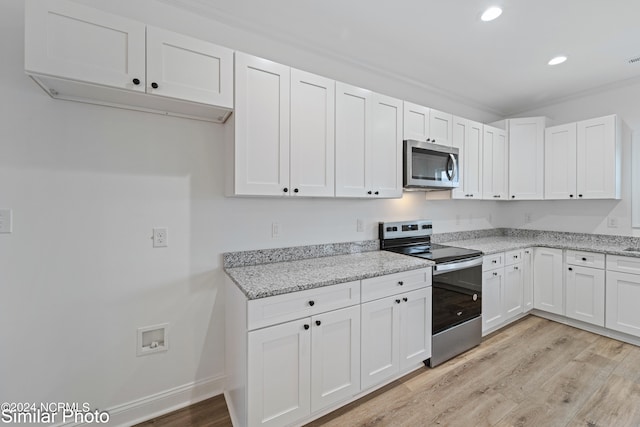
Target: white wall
{"type": "Point", "coordinates": [588, 216]}
{"type": "Point", "coordinates": [87, 184]}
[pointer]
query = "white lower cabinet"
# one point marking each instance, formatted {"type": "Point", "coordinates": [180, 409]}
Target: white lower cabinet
{"type": "Point", "coordinates": [623, 294]}
{"type": "Point", "coordinates": [303, 366]}
{"type": "Point", "coordinates": [527, 279]}
{"type": "Point", "coordinates": [585, 287]}
{"type": "Point", "coordinates": [513, 290]}
{"type": "Point", "coordinates": [492, 299]}
{"type": "Point", "coordinates": [396, 335]}
{"type": "Point", "coordinates": [548, 289]}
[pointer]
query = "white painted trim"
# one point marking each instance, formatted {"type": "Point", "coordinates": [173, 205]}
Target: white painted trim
{"type": "Point", "coordinates": [155, 405]}
{"type": "Point", "coordinates": [635, 179]}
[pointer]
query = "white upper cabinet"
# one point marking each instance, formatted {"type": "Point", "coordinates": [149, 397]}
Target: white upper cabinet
{"type": "Point", "coordinates": [526, 158]}
{"type": "Point", "coordinates": [368, 143]}
{"type": "Point", "coordinates": [261, 154]}
{"type": "Point", "coordinates": [467, 138]}
{"type": "Point", "coordinates": [495, 158]}
{"type": "Point", "coordinates": [598, 158]}
{"type": "Point", "coordinates": [83, 54]}
{"type": "Point", "coordinates": [187, 68]}
{"type": "Point", "coordinates": [426, 124]}
{"type": "Point", "coordinates": [560, 162]}
{"type": "Point", "coordinates": [312, 134]}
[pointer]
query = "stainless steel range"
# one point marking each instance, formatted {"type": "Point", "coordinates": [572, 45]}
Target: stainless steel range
{"type": "Point", "coordinates": [457, 286]}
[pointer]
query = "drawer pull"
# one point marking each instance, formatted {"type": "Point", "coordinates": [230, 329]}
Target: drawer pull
{"type": "Point", "coordinates": [397, 301]}
{"type": "Point", "coordinates": [306, 327]}
{"type": "Point", "coordinates": [515, 268]}
{"type": "Point", "coordinates": [584, 259]}
{"type": "Point", "coordinates": [494, 261]}
{"type": "Point", "coordinates": [570, 269]}
{"type": "Point", "coordinates": [318, 323]}
{"type": "Point", "coordinates": [400, 283]}
{"type": "Point", "coordinates": [405, 299]}
{"type": "Point", "coordinates": [312, 303]}
{"type": "Point", "coordinates": [495, 273]}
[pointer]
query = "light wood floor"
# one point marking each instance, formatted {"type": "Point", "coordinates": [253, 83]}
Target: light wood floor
{"type": "Point", "coordinates": [533, 373]}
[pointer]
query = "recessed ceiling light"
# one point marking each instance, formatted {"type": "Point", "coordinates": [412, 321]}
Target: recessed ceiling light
{"type": "Point", "coordinates": [557, 60]}
{"type": "Point", "coordinates": [491, 14]}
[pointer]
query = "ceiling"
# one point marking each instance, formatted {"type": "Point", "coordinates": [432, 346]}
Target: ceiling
{"type": "Point", "coordinates": [500, 66]}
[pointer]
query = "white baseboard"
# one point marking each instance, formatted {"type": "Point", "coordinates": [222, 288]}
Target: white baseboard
{"type": "Point", "coordinates": [155, 405]}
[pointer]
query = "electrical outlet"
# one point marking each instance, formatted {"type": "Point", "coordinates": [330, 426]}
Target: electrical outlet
{"type": "Point", "coordinates": [6, 225]}
{"type": "Point", "coordinates": [612, 222]}
{"type": "Point", "coordinates": [359, 225]}
{"type": "Point", "coordinates": [160, 237]}
{"type": "Point", "coordinates": [275, 230]}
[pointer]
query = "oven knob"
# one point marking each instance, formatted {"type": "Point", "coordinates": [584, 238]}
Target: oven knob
{"type": "Point", "coordinates": [389, 229]}
{"type": "Point", "coordinates": [475, 297]}
{"type": "Point", "coordinates": [395, 228]}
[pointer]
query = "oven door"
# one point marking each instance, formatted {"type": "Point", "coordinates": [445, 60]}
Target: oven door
{"type": "Point", "coordinates": [457, 294]}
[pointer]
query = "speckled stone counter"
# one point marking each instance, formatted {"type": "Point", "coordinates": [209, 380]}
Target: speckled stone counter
{"type": "Point", "coordinates": [509, 239]}
{"type": "Point", "coordinates": [265, 280]}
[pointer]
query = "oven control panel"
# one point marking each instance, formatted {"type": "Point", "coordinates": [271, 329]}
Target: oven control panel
{"type": "Point", "coordinates": [398, 230]}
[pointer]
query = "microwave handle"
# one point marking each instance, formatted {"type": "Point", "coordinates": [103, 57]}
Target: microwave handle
{"type": "Point", "coordinates": [452, 159]}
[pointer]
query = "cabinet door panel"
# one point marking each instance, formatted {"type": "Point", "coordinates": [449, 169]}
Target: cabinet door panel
{"type": "Point", "coordinates": [189, 69]}
{"type": "Point", "coordinates": [623, 294]}
{"type": "Point", "coordinates": [386, 147]}
{"type": "Point", "coordinates": [416, 122]}
{"type": "Point", "coordinates": [527, 281]}
{"type": "Point", "coordinates": [380, 341]}
{"type": "Point", "coordinates": [279, 374]}
{"type": "Point", "coordinates": [526, 158]}
{"type": "Point", "coordinates": [312, 134]}
{"type": "Point", "coordinates": [513, 290]}
{"type": "Point", "coordinates": [560, 162]}
{"type": "Point", "coordinates": [494, 164]}
{"type": "Point", "coordinates": [549, 280]}
{"type": "Point", "coordinates": [335, 369]}
{"type": "Point", "coordinates": [597, 157]}
{"type": "Point", "coordinates": [492, 298]}
{"type": "Point", "coordinates": [473, 162]}
{"type": "Point", "coordinates": [261, 126]}
{"type": "Point", "coordinates": [69, 40]}
{"type": "Point", "coordinates": [440, 127]}
{"type": "Point", "coordinates": [415, 327]}
{"type": "Point", "coordinates": [585, 293]}
{"type": "Point", "coordinates": [353, 133]}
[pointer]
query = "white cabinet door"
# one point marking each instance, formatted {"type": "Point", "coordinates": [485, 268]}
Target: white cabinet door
{"type": "Point", "coordinates": [440, 127]}
{"type": "Point", "coordinates": [279, 373]}
{"type": "Point", "coordinates": [312, 161]}
{"type": "Point", "coordinates": [492, 298]}
{"type": "Point", "coordinates": [548, 277]}
{"type": "Point", "coordinates": [526, 158]}
{"type": "Point", "coordinates": [386, 147]}
{"type": "Point", "coordinates": [335, 367]}
{"type": "Point", "coordinates": [65, 39]}
{"type": "Point", "coordinates": [585, 294]}
{"type": "Point", "coordinates": [186, 68]}
{"type": "Point", "coordinates": [467, 138]}
{"type": "Point", "coordinates": [415, 327]}
{"type": "Point", "coordinates": [560, 162]}
{"type": "Point", "coordinates": [495, 160]}
{"type": "Point", "coordinates": [623, 294]}
{"type": "Point", "coordinates": [380, 340]}
{"type": "Point", "coordinates": [527, 280]}
{"type": "Point", "coordinates": [353, 140]}
{"type": "Point", "coordinates": [513, 290]}
{"type": "Point", "coordinates": [598, 159]}
{"type": "Point", "coordinates": [261, 126]}
{"type": "Point", "coordinates": [416, 122]}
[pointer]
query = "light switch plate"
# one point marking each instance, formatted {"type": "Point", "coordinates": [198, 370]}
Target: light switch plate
{"type": "Point", "coordinates": [6, 221]}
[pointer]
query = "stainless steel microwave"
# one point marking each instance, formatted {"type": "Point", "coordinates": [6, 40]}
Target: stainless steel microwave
{"type": "Point", "coordinates": [429, 166]}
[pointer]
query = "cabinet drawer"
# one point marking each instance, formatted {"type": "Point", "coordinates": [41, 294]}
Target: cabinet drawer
{"type": "Point", "coordinates": [513, 257]}
{"type": "Point", "coordinates": [490, 262]}
{"type": "Point", "coordinates": [624, 264]}
{"type": "Point", "coordinates": [283, 308]}
{"type": "Point", "coordinates": [586, 259]}
{"type": "Point", "coordinates": [391, 284]}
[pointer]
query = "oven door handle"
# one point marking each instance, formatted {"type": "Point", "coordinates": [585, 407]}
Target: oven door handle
{"type": "Point", "coordinates": [446, 268]}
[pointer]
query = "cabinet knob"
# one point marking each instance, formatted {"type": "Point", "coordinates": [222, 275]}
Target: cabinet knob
{"type": "Point", "coordinates": [405, 299]}
{"type": "Point", "coordinates": [295, 190]}
{"type": "Point", "coordinates": [571, 195]}
{"type": "Point", "coordinates": [433, 140]}
{"type": "Point", "coordinates": [516, 267]}
{"type": "Point", "coordinates": [285, 189]}
{"type": "Point", "coordinates": [306, 327]}
{"type": "Point", "coordinates": [584, 259]}
{"type": "Point", "coordinates": [494, 261]}
{"type": "Point", "coordinates": [136, 82]}
{"type": "Point", "coordinates": [495, 273]}
{"type": "Point", "coordinates": [513, 197]}
{"type": "Point", "coordinates": [154, 85]}
{"type": "Point", "coordinates": [397, 301]}
{"type": "Point", "coordinates": [579, 195]}
{"type": "Point", "coordinates": [428, 139]}
{"type": "Point", "coordinates": [376, 193]}
{"type": "Point", "coordinates": [368, 192]}
{"type": "Point", "coordinates": [312, 303]}
{"type": "Point", "coordinates": [400, 283]}
{"type": "Point", "coordinates": [570, 269]}
{"type": "Point", "coordinates": [318, 323]}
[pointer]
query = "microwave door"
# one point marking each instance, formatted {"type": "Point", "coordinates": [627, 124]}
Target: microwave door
{"type": "Point", "coordinates": [429, 168]}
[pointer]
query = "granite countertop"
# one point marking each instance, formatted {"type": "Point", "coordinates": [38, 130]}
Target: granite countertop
{"type": "Point", "coordinates": [265, 280]}
{"type": "Point", "coordinates": [494, 244]}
